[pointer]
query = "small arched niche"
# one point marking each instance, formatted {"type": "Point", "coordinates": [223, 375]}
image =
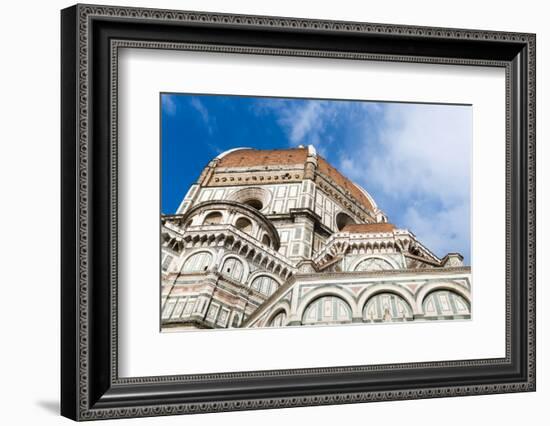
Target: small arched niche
{"type": "Point", "coordinates": [265, 285]}
{"type": "Point", "coordinates": [197, 262]}
{"type": "Point", "coordinates": [278, 320]}
{"type": "Point", "coordinates": [213, 218]}
{"type": "Point", "coordinates": [445, 303]}
{"type": "Point", "coordinates": [244, 224]}
{"type": "Point", "coordinates": [327, 310]}
{"type": "Point", "coordinates": [343, 219]}
{"type": "Point", "coordinates": [387, 307]}
{"type": "Point", "coordinates": [266, 240]}
{"type": "Point", "coordinates": [233, 268]}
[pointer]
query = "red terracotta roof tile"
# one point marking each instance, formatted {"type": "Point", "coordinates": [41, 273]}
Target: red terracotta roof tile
{"type": "Point", "coordinates": [267, 157]}
{"type": "Point", "coordinates": [325, 168]}
{"type": "Point", "coordinates": [293, 156]}
{"type": "Point", "coordinates": [365, 228]}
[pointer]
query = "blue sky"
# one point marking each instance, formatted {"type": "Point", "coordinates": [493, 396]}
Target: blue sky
{"type": "Point", "coordinates": [414, 159]}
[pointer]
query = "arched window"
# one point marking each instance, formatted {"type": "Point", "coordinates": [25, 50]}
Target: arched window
{"type": "Point", "coordinates": [265, 285]}
{"type": "Point", "coordinates": [198, 262]}
{"type": "Point", "coordinates": [445, 303]}
{"type": "Point", "coordinates": [244, 225]}
{"type": "Point", "coordinates": [254, 203]}
{"type": "Point", "coordinates": [387, 307]}
{"type": "Point", "coordinates": [374, 264]}
{"type": "Point", "coordinates": [266, 241]}
{"type": "Point", "coordinates": [327, 310]}
{"type": "Point", "coordinates": [278, 320]}
{"type": "Point", "coordinates": [213, 218]}
{"type": "Point", "coordinates": [343, 219]}
{"type": "Point", "coordinates": [255, 197]}
{"type": "Point", "coordinates": [233, 268]}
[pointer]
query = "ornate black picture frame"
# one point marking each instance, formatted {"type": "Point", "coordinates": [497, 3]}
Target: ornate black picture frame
{"type": "Point", "coordinates": [90, 38]}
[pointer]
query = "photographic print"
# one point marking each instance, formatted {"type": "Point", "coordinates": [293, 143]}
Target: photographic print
{"type": "Point", "coordinates": [285, 212]}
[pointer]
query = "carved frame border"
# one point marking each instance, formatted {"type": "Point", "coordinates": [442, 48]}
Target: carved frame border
{"type": "Point", "coordinates": [82, 407]}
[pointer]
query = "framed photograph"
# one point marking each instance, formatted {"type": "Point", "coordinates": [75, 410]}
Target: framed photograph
{"type": "Point", "coordinates": [265, 212]}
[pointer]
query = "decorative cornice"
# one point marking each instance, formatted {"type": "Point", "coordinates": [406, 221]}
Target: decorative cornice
{"type": "Point", "coordinates": [227, 204]}
{"type": "Point", "coordinates": [400, 240]}
{"type": "Point", "coordinates": [331, 277]}
{"type": "Point", "coordinates": [383, 273]}
{"type": "Point", "coordinates": [259, 177]}
{"type": "Point", "coordinates": [228, 234]}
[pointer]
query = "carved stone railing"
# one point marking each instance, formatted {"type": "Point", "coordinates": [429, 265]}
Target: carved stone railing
{"type": "Point", "coordinates": [398, 240]}
{"type": "Point", "coordinates": [234, 240]}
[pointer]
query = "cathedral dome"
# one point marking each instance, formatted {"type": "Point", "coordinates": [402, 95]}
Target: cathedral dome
{"type": "Point", "coordinates": [274, 238]}
{"type": "Point", "coordinates": [251, 158]}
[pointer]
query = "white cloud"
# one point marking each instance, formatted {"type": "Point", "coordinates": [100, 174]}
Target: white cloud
{"type": "Point", "coordinates": [305, 122]}
{"type": "Point", "coordinates": [209, 121]}
{"type": "Point", "coordinates": [415, 157]}
{"type": "Point", "coordinates": [168, 104]}
{"type": "Point", "coordinates": [423, 156]}
{"type": "Point", "coordinates": [425, 149]}
{"type": "Point", "coordinates": [443, 231]}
